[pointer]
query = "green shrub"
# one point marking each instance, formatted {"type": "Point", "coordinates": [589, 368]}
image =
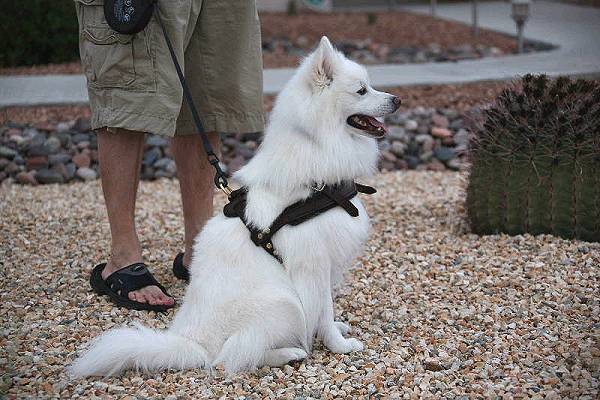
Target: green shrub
{"type": "Point", "coordinates": [536, 161]}
{"type": "Point", "coordinates": [292, 7]}
{"type": "Point", "coordinates": [38, 32]}
{"type": "Point", "coordinates": [371, 18]}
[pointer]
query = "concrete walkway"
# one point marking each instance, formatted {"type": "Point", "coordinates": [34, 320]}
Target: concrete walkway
{"type": "Point", "coordinates": [574, 29]}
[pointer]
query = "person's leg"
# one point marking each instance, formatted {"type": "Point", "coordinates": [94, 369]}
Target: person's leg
{"type": "Point", "coordinates": [120, 156]}
{"type": "Point", "coordinates": [227, 89]}
{"type": "Point", "coordinates": [195, 176]}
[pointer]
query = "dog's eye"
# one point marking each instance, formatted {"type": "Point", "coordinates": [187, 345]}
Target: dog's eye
{"type": "Point", "coordinates": [362, 91]}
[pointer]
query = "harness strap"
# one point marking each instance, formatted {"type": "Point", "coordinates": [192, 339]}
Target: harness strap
{"type": "Point", "coordinates": [321, 201]}
{"type": "Point", "coordinates": [330, 196]}
{"type": "Point", "coordinates": [236, 208]}
{"type": "Point", "coordinates": [341, 200]}
{"type": "Point", "coordinates": [365, 189]}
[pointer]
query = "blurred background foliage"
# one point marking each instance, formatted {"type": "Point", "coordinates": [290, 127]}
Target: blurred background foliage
{"type": "Point", "coordinates": [38, 32]}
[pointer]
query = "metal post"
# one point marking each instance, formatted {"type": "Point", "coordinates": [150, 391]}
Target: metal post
{"type": "Point", "coordinates": [520, 13]}
{"type": "Point", "coordinates": [434, 8]}
{"type": "Point", "coordinates": [475, 19]}
{"type": "Point", "coordinates": [520, 26]}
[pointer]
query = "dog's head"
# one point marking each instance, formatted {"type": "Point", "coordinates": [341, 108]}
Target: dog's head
{"type": "Point", "coordinates": [323, 125]}
{"type": "Point", "coordinates": [342, 87]}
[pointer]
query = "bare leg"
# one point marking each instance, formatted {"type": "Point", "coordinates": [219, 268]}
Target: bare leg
{"type": "Point", "coordinates": [196, 183]}
{"type": "Point", "coordinates": [120, 156]}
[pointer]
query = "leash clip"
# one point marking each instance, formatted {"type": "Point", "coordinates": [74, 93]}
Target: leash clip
{"type": "Point", "coordinates": [225, 189]}
{"type": "Point", "coordinates": [223, 185]}
{"type": "Point", "coordinates": [318, 188]}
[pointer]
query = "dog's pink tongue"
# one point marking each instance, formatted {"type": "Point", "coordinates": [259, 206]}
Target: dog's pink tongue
{"type": "Point", "coordinates": [373, 121]}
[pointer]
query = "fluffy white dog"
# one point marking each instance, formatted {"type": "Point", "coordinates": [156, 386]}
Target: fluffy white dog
{"type": "Point", "coordinates": [244, 309]}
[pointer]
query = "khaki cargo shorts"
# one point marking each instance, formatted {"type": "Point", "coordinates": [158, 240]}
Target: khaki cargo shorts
{"type": "Point", "coordinates": [132, 82]}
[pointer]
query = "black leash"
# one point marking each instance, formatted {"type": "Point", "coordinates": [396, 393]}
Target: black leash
{"type": "Point", "coordinates": [220, 177]}
{"type": "Point", "coordinates": [132, 16]}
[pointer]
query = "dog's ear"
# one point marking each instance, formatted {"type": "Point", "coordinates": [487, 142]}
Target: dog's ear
{"type": "Point", "coordinates": [324, 62]}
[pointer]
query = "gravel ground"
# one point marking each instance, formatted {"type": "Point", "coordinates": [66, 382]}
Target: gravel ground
{"type": "Point", "coordinates": [443, 314]}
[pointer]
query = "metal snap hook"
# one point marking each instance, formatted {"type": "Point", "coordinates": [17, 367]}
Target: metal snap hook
{"type": "Point", "coordinates": [318, 189]}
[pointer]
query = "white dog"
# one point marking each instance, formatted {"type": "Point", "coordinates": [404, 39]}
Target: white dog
{"type": "Point", "coordinates": [243, 309]}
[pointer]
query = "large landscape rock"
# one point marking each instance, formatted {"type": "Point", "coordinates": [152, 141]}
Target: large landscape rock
{"type": "Point", "coordinates": [419, 138]}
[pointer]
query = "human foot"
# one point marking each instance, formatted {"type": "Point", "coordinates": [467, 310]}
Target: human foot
{"type": "Point", "coordinates": [150, 294]}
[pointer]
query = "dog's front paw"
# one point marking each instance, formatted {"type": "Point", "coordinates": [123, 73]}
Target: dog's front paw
{"type": "Point", "coordinates": [345, 346]}
{"type": "Point", "coordinates": [355, 344]}
{"type": "Point", "coordinates": [280, 357]}
{"type": "Point", "coordinates": [343, 328]}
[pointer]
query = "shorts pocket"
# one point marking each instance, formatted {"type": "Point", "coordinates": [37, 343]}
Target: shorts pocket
{"type": "Point", "coordinates": [111, 59]}
{"type": "Point", "coordinates": [107, 57]}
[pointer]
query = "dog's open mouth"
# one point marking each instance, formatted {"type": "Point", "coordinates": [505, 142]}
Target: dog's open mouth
{"type": "Point", "coordinates": [367, 124]}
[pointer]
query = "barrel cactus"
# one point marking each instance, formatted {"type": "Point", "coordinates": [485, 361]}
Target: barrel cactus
{"type": "Point", "coordinates": [535, 160]}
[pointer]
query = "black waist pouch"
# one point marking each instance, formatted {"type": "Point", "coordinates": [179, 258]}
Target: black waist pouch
{"type": "Point", "coordinates": [128, 16]}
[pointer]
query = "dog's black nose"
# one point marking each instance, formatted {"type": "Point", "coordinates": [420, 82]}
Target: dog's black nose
{"type": "Point", "coordinates": [396, 100]}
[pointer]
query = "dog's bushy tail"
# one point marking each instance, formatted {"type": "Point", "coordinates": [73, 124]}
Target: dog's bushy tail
{"type": "Point", "coordinates": [138, 348]}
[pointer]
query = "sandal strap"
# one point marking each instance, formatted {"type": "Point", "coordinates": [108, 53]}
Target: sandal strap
{"type": "Point", "coordinates": [131, 278]}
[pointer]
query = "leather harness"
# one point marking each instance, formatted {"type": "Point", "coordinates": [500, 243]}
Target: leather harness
{"type": "Point", "coordinates": [321, 200]}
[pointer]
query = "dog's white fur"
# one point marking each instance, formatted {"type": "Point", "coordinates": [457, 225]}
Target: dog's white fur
{"type": "Point", "coordinates": [242, 308]}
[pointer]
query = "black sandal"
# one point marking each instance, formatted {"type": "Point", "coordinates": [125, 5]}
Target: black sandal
{"type": "Point", "coordinates": [179, 270]}
{"type": "Point", "coordinates": [128, 279]}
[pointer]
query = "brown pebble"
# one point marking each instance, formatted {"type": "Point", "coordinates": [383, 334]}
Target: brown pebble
{"type": "Point", "coordinates": [441, 132]}
{"type": "Point", "coordinates": [82, 160]}
{"type": "Point", "coordinates": [26, 178]}
{"type": "Point", "coordinates": [440, 121]}
{"type": "Point", "coordinates": [36, 162]}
